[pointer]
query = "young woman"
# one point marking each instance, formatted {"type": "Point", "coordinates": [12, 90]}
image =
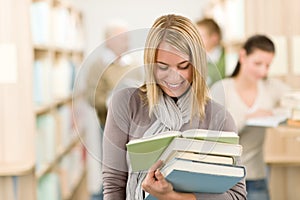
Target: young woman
{"type": "Point", "coordinates": [174, 97]}
{"type": "Point", "coordinates": [250, 93]}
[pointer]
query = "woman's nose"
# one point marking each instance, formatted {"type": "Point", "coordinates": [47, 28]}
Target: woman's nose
{"type": "Point", "coordinates": [173, 73]}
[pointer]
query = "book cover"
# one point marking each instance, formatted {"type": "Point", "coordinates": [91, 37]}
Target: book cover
{"type": "Point", "coordinates": [201, 177]}
{"type": "Point", "coordinates": [144, 152]}
{"type": "Point", "coordinates": [212, 135]}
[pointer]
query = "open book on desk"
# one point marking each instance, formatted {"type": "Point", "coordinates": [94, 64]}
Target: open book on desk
{"type": "Point", "coordinates": [268, 121]}
{"type": "Point", "coordinates": [144, 152]}
{"type": "Point", "coordinates": [200, 177]}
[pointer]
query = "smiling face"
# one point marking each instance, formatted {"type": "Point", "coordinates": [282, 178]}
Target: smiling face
{"type": "Point", "coordinates": [173, 71]}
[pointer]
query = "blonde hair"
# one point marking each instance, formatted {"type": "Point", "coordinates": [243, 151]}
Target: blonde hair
{"type": "Point", "coordinates": [182, 34]}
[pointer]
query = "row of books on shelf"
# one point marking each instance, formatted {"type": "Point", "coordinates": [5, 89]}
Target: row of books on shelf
{"type": "Point", "coordinates": [58, 26]}
{"type": "Point", "coordinates": [52, 82]}
{"type": "Point", "coordinates": [61, 181]}
{"type": "Point", "coordinates": [55, 132]}
{"type": "Point", "coordinates": [196, 160]}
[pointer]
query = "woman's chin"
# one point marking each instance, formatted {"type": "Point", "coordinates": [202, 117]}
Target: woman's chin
{"type": "Point", "coordinates": [175, 93]}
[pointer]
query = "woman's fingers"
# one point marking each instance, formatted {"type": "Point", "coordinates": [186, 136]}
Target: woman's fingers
{"type": "Point", "coordinates": [159, 176]}
{"type": "Point", "coordinates": [156, 165]}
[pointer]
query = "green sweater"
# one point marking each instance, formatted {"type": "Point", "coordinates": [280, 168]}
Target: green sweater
{"type": "Point", "coordinates": [216, 71]}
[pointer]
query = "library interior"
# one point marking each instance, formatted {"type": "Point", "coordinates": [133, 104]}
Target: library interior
{"type": "Point", "coordinates": [53, 106]}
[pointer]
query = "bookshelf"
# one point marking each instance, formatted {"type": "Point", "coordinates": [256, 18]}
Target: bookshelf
{"type": "Point", "coordinates": [42, 49]}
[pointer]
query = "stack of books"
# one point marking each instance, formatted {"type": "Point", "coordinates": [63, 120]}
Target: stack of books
{"type": "Point", "coordinates": [294, 119]}
{"type": "Point", "coordinates": [291, 101]}
{"type": "Point", "coordinates": [195, 160]}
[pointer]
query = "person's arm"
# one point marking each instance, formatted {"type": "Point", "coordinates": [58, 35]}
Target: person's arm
{"type": "Point", "coordinates": [115, 169]}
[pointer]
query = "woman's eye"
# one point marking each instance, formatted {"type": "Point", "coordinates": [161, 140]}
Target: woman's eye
{"type": "Point", "coordinates": [162, 67]}
{"type": "Point", "coordinates": [184, 66]}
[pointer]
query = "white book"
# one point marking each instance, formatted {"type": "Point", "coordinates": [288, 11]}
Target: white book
{"type": "Point", "coordinates": [217, 159]}
{"type": "Point", "coordinates": [203, 147]}
{"type": "Point", "coordinates": [268, 121]}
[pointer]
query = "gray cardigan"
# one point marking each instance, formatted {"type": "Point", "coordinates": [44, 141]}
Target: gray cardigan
{"type": "Point", "coordinates": [128, 118]}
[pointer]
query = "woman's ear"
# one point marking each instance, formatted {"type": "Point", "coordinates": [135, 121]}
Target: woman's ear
{"type": "Point", "coordinates": [242, 55]}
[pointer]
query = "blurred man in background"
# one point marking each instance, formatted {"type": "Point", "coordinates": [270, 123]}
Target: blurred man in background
{"type": "Point", "coordinates": [212, 36]}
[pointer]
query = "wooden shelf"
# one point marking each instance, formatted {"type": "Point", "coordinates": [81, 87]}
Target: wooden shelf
{"type": "Point", "coordinates": [75, 186]}
{"type": "Point", "coordinates": [44, 108]}
{"type": "Point", "coordinates": [45, 47]}
{"type": "Point", "coordinates": [47, 168]}
{"type": "Point", "coordinates": [41, 109]}
{"type": "Point", "coordinates": [16, 169]}
{"type": "Point", "coordinates": [285, 161]}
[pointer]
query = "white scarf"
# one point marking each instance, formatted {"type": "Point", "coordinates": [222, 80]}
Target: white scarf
{"type": "Point", "coordinates": [170, 116]}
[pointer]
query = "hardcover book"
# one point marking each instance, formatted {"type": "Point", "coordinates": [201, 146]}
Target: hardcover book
{"type": "Point", "coordinates": [144, 152]}
{"type": "Point", "coordinates": [201, 177]}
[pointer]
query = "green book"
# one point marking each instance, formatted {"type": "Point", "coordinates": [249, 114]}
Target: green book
{"type": "Point", "coordinates": [144, 152]}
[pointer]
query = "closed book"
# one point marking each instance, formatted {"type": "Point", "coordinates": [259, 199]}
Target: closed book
{"type": "Point", "coordinates": [203, 147]}
{"type": "Point", "coordinates": [200, 177]}
{"type": "Point", "coordinates": [217, 159]}
{"type": "Point", "coordinates": [144, 152]}
{"type": "Point", "coordinates": [212, 135]}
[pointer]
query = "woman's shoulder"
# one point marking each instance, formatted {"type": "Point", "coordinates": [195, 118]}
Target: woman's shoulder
{"type": "Point", "coordinates": [226, 82]}
{"type": "Point", "coordinates": [275, 87]}
{"type": "Point", "coordinates": [219, 91]}
{"type": "Point", "coordinates": [127, 97]}
{"type": "Point", "coordinates": [126, 93]}
{"type": "Point", "coordinates": [274, 83]}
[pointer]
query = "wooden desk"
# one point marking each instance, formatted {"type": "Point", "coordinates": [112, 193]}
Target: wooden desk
{"type": "Point", "coordinates": [282, 154]}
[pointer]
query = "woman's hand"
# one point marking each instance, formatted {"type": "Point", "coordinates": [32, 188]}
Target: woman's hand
{"type": "Point", "coordinates": [260, 113]}
{"type": "Point", "coordinates": [156, 185]}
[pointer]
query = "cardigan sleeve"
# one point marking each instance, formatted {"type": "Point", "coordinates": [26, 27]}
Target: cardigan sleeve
{"type": "Point", "coordinates": [238, 192]}
{"type": "Point", "coordinates": [114, 166]}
